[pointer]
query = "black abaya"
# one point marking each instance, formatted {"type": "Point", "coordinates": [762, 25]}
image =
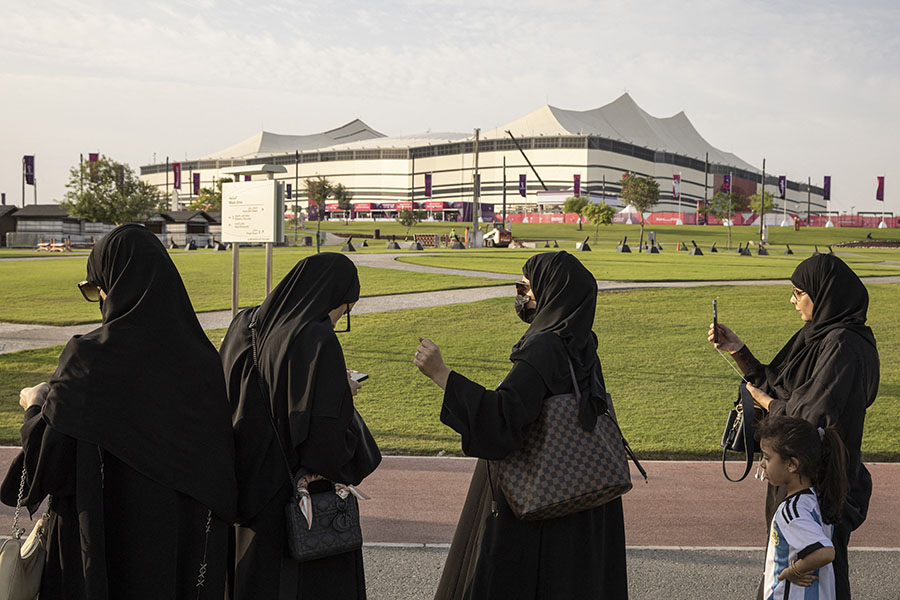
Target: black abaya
{"type": "Point", "coordinates": [319, 428]}
{"type": "Point", "coordinates": [827, 374]}
{"type": "Point", "coordinates": [581, 555]}
{"type": "Point", "coordinates": [130, 443]}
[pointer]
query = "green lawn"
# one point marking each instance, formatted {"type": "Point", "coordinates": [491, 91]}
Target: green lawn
{"type": "Point", "coordinates": [669, 265]}
{"type": "Point", "coordinates": [44, 291]}
{"type": "Point", "coordinates": [670, 388]}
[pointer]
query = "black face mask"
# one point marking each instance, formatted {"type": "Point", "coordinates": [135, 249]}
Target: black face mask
{"type": "Point", "coordinates": [526, 314]}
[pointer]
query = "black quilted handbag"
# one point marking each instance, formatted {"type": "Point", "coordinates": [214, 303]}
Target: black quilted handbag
{"type": "Point", "coordinates": [335, 525]}
{"type": "Point", "coordinates": [561, 468]}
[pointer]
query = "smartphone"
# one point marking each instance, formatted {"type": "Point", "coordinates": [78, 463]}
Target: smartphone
{"type": "Point", "coordinates": [715, 322]}
{"type": "Point", "coordinates": [358, 377]}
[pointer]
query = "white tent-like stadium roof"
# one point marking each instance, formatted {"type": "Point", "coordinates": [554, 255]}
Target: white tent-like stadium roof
{"type": "Point", "coordinates": [266, 143]}
{"type": "Point", "coordinates": [622, 120]}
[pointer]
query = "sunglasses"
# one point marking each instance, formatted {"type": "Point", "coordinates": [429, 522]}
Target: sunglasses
{"type": "Point", "coordinates": [345, 330]}
{"type": "Point", "coordinates": [90, 291]}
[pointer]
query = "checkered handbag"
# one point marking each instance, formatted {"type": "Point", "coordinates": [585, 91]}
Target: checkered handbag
{"type": "Point", "coordinates": [561, 468]}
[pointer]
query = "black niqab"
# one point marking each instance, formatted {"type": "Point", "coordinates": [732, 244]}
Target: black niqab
{"type": "Point", "coordinates": [840, 301]}
{"type": "Point", "coordinates": [566, 296]}
{"type": "Point", "coordinates": [147, 385]}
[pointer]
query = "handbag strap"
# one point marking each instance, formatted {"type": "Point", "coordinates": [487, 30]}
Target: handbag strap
{"type": "Point", "coordinates": [263, 387]}
{"type": "Point", "coordinates": [607, 412]}
{"type": "Point", "coordinates": [745, 407]}
{"type": "Point", "coordinates": [16, 532]}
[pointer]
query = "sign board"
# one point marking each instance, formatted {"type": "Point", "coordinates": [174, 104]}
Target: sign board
{"type": "Point", "coordinates": [252, 211]}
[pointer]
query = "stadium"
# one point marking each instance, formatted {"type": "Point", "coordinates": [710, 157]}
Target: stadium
{"type": "Point", "coordinates": [569, 151]}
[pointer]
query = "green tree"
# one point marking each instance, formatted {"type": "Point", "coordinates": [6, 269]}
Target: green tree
{"type": "Point", "coordinates": [598, 214]}
{"type": "Point", "coordinates": [343, 196]}
{"type": "Point", "coordinates": [107, 191]}
{"type": "Point", "coordinates": [210, 199]}
{"type": "Point", "coordinates": [723, 206]}
{"type": "Point", "coordinates": [575, 204]}
{"type": "Point", "coordinates": [318, 190]}
{"type": "Point", "coordinates": [761, 207]}
{"type": "Point", "coordinates": [408, 218]}
{"type": "Point", "coordinates": [642, 193]}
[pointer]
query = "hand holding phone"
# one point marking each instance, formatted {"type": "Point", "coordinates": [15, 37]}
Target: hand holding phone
{"type": "Point", "coordinates": [357, 376]}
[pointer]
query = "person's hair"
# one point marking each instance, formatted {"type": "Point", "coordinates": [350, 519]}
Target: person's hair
{"type": "Point", "coordinates": [821, 460]}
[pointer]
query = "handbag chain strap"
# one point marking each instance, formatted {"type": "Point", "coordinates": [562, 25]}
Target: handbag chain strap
{"type": "Point", "coordinates": [263, 387]}
{"type": "Point", "coordinates": [18, 533]}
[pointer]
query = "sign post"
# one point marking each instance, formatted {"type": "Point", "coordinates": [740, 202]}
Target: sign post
{"type": "Point", "coordinates": [252, 212]}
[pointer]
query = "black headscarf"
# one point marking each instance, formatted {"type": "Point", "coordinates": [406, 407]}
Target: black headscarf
{"type": "Point", "coordinates": [840, 301]}
{"type": "Point", "coordinates": [566, 295]}
{"type": "Point", "coordinates": [302, 363]}
{"type": "Point", "coordinates": [147, 385]}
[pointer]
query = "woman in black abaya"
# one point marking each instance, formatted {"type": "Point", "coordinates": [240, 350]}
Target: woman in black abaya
{"type": "Point", "coordinates": [577, 556]}
{"type": "Point", "coordinates": [132, 440]}
{"type": "Point", "coordinates": [827, 373]}
{"type": "Point", "coordinates": [311, 398]}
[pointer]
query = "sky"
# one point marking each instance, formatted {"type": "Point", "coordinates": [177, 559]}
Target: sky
{"type": "Point", "coordinates": [811, 86]}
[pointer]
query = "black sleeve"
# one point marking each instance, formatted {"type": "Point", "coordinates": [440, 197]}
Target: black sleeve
{"type": "Point", "coordinates": [493, 423]}
{"type": "Point", "coordinates": [338, 445]}
{"type": "Point", "coordinates": [49, 457]}
{"type": "Point", "coordinates": [753, 370]}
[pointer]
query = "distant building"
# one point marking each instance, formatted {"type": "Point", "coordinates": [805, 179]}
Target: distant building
{"type": "Point", "coordinates": [386, 174]}
{"type": "Point", "coordinates": [39, 223]}
{"type": "Point", "coordinates": [7, 221]}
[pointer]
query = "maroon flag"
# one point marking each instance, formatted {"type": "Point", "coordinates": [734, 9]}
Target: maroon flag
{"type": "Point", "coordinates": [428, 185]}
{"type": "Point", "coordinates": [782, 186]}
{"type": "Point", "coordinates": [196, 181]}
{"type": "Point", "coordinates": [176, 170]}
{"type": "Point", "coordinates": [523, 187]}
{"type": "Point", "coordinates": [28, 161]}
{"type": "Point", "coordinates": [879, 193]}
{"type": "Point", "coordinates": [676, 186]}
{"type": "Point", "coordinates": [576, 184]}
{"type": "Point", "coordinates": [827, 188]}
{"type": "Point", "coordinates": [289, 191]}
{"type": "Point", "coordinates": [93, 157]}
{"type": "Point", "coordinates": [726, 184]}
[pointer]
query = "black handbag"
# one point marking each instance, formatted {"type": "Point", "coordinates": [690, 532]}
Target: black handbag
{"type": "Point", "coordinates": [334, 524]}
{"type": "Point", "coordinates": [738, 434]}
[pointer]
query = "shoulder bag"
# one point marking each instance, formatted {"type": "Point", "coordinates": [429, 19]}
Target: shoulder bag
{"type": "Point", "coordinates": [738, 435]}
{"type": "Point", "coordinates": [318, 524]}
{"type": "Point", "coordinates": [22, 561]}
{"type": "Point", "coordinates": [561, 468]}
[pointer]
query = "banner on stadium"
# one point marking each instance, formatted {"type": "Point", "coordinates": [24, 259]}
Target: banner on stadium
{"type": "Point", "coordinates": [288, 191]}
{"type": "Point", "coordinates": [195, 180]}
{"type": "Point", "coordinates": [676, 186]}
{"type": "Point", "coordinates": [522, 185]}
{"type": "Point", "coordinates": [827, 188]}
{"type": "Point", "coordinates": [362, 206]}
{"type": "Point", "coordinates": [576, 184]}
{"type": "Point", "coordinates": [248, 178]}
{"type": "Point", "coordinates": [28, 161]}
{"type": "Point", "coordinates": [176, 171]}
{"type": "Point", "coordinates": [879, 193]}
{"type": "Point", "coordinates": [782, 186]}
{"type": "Point", "coordinates": [726, 184]}
{"type": "Point", "coordinates": [428, 185]}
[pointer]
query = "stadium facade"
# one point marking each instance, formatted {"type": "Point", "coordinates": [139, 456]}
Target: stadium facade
{"type": "Point", "coordinates": [385, 174]}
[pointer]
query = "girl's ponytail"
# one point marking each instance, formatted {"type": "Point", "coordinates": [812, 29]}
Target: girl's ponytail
{"type": "Point", "coordinates": [831, 476]}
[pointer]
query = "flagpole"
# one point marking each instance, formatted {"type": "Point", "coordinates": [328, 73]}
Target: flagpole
{"type": "Point", "coordinates": [882, 225]}
{"type": "Point", "coordinates": [23, 182]}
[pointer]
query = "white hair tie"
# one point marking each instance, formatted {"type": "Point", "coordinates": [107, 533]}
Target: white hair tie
{"type": "Point", "coordinates": [821, 433]}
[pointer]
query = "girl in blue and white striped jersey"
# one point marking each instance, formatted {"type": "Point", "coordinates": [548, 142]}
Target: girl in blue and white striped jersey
{"type": "Point", "coordinates": [811, 463]}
